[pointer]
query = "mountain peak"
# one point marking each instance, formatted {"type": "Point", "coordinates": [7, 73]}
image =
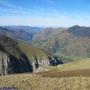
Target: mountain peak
{"type": "Point", "coordinates": [74, 27]}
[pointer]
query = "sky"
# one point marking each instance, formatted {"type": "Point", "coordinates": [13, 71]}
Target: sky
{"type": "Point", "coordinates": [45, 13]}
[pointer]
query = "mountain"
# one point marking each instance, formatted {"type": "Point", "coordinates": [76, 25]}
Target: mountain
{"type": "Point", "coordinates": [80, 31]}
{"type": "Point", "coordinates": [39, 56]}
{"type": "Point", "coordinates": [12, 59]}
{"type": "Point", "coordinates": [70, 43]}
{"type": "Point", "coordinates": [20, 57]}
{"type": "Point", "coordinates": [23, 33]}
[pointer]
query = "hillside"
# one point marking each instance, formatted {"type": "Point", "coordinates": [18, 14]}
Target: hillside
{"type": "Point", "coordinates": [12, 59]}
{"type": "Point", "coordinates": [76, 65]}
{"type": "Point", "coordinates": [71, 43]}
{"type": "Point", "coordinates": [72, 76]}
{"type": "Point", "coordinates": [80, 68]}
{"type": "Point", "coordinates": [43, 58]}
{"type": "Point", "coordinates": [20, 57]}
{"type": "Point", "coordinates": [31, 51]}
{"type": "Point", "coordinates": [34, 82]}
{"type": "Point", "coordinates": [23, 33]}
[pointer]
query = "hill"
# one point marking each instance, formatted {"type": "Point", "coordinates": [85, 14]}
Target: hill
{"type": "Point", "coordinates": [64, 78]}
{"type": "Point", "coordinates": [31, 51]}
{"type": "Point", "coordinates": [23, 33]}
{"type": "Point", "coordinates": [70, 43]}
{"type": "Point", "coordinates": [76, 65]}
{"type": "Point", "coordinates": [19, 57]}
{"type": "Point", "coordinates": [42, 57]}
{"type": "Point", "coordinates": [12, 59]}
{"type": "Point", "coordinates": [80, 68]}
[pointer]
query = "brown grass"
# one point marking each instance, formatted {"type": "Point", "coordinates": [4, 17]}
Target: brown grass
{"type": "Point", "coordinates": [73, 73]}
{"type": "Point", "coordinates": [36, 82]}
{"type": "Point", "coordinates": [67, 77]}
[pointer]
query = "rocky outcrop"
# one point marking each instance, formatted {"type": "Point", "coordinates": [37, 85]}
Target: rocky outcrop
{"type": "Point", "coordinates": [10, 64]}
{"type": "Point", "coordinates": [4, 59]}
{"type": "Point", "coordinates": [12, 59]}
{"type": "Point", "coordinates": [54, 61]}
{"type": "Point", "coordinates": [51, 61]}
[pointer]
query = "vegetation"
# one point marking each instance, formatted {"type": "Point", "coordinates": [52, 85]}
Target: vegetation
{"type": "Point", "coordinates": [31, 51]}
{"type": "Point", "coordinates": [67, 44]}
{"type": "Point", "coordinates": [76, 68]}
{"type": "Point", "coordinates": [35, 82]}
{"type": "Point", "coordinates": [71, 76]}
{"type": "Point", "coordinates": [73, 42]}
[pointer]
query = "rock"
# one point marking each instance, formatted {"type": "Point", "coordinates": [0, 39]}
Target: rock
{"type": "Point", "coordinates": [54, 60]}
{"type": "Point", "coordinates": [39, 66]}
{"type": "Point", "coordinates": [41, 69]}
{"type": "Point", "coordinates": [10, 64]}
{"type": "Point", "coordinates": [4, 59]}
{"type": "Point", "coordinates": [60, 66]}
{"type": "Point", "coordinates": [12, 59]}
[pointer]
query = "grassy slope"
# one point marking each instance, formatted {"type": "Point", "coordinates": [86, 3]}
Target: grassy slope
{"type": "Point", "coordinates": [75, 65]}
{"type": "Point", "coordinates": [79, 64]}
{"type": "Point", "coordinates": [73, 69]}
{"type": "Point", "coordinates": [37, 82]}
{"type": "Point", "coordinates": [31, 51]}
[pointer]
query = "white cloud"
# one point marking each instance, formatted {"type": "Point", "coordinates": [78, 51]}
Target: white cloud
{"type": "Point", "coordinates": [16, 15]}
{"type": "Point", "coordinates": [43, 21]}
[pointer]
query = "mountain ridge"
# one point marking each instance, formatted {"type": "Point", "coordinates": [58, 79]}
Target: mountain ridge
{"type": "Point", "coordinates": [72, 42]}
{"type": "Point", "coordinates": [19, 57]}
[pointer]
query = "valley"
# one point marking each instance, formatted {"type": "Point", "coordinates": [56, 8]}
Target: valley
{"type": "Point", "coordinates": [44, 44]}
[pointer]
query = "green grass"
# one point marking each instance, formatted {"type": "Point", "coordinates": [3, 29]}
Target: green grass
{"type": "Point", "coordinates": [31, 51]}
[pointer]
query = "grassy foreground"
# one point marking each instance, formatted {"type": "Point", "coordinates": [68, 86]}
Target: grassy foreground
{"type": "Point", "coordinates": [36, 82]}
{"type": "Point", "coordinates": [71, 76]}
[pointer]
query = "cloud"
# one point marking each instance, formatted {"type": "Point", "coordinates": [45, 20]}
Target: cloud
{"type": "Point", "coordinates": [62, 21]}
{"type": "Point", "coordinates": [9, 5]}
{"type": "Point", "coordinates": [10, 9]}
{"type": "Point", "coordinates": [17, 15]}
{"type": "Point", "coordinates": [6, 8]}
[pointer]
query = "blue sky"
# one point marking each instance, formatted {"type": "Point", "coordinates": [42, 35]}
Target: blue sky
{"type": "Point", "coordinates": [46, 13]}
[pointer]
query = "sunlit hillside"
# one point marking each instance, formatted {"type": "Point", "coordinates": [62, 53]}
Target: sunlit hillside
{"type": "Point", "coordinates": [58, 79]}
{"type": "Point", "coordinates": [79, 64]}
{"type": "Point", "coordinates": [74, 69]}
{"type": "Point", "coordinates": [31, 51]}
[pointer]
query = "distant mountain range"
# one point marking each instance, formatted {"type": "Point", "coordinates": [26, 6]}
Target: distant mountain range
{"type": "Point", "coordinates": [24, 33]}
{"type": "Point", "coordinates": [69, 43]}
{"type": "Point", "coordinates": [19, 57]}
